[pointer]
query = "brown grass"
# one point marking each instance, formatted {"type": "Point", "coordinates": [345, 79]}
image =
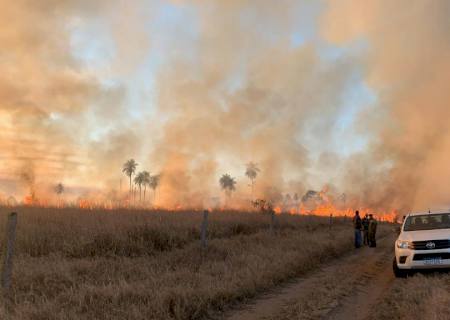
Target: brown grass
{"type": "Point", "coordinates": [74, 264]}
{"type": "Point", "coordinates": [418, 297]}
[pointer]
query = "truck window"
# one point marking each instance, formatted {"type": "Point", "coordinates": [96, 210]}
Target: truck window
{"type": "Point", "coordinates": [427, 222]}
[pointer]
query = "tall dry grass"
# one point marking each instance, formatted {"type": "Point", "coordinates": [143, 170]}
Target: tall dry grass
{"type": "Point", "coordinates": [76, 264]}
{"type": "Point", "coordinates": [423, 296]}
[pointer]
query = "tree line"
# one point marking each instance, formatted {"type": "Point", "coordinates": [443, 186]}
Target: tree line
{"type": "Point", "coordinates": [142, 179]}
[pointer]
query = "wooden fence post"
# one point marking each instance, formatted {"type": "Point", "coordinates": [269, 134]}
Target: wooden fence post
{"type": "Point", "coordinates": [204, 229]}
{"type": "Point", "coordinates": [272, 221]}
{"type": "Point", "coordinates": [9, 252]}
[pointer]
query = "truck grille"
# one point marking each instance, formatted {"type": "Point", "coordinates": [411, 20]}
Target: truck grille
{"type": "Point", "coordinates": [438, 244]}
{"type": "Point", "coordinates": [425, 256]}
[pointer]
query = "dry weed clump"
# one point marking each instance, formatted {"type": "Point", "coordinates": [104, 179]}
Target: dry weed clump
{"type": "Point", "coordinates": [74, 264]}
{"type": "Point", "coordinates": [423, 296]}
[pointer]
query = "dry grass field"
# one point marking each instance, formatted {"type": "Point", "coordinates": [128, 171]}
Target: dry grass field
{"type": "Point", "coordinates": [418, 297]}
{"type": "Point", "coordinates": [126, 264]}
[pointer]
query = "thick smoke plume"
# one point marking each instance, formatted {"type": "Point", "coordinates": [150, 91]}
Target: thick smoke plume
{"type": "Point", "coordinates": [409, 67]}
{"type": "Point", "coordinates": [247, 96]}
{"type": "Point", "coordinates": [236, 82]}
{"type": "Point", "coordinates": [50, 103]}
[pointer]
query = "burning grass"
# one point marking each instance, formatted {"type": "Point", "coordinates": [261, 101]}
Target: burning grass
{"type": "Point", "coordinates": [74, 264]}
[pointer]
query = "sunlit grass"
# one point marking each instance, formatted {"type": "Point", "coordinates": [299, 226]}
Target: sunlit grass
{"type": "Point", "coordinates": [78, 264]}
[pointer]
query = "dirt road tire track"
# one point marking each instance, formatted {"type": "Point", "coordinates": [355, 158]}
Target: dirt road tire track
{"type": "Point", "coordinates": [360, 304]}
{"type": "Point", "coordinates": [368, 271]}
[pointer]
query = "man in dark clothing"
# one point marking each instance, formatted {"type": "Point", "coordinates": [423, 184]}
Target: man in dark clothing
{"type": "Point", "coordinates": [372, 231]}
{"type": "Point", "coordinates": [365, 225]}
{"type": "Point", "coordinates": [357, 225]}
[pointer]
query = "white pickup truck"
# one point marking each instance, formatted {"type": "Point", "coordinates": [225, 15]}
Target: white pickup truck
{"type": "Point", "coordinates": [423, 243]}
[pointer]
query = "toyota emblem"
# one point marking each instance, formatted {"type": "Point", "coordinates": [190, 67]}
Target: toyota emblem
{"type": "Point", "coordinates": [430, 245]}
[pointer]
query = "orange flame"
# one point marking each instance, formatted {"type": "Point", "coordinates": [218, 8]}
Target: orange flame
{"type": "Point", "coordinates": [277, 210]}
{"type": "Point", "coordinates": [28, 200]}
{"type": "Point", "coordinates": [325, 206]}
{"type": "Point", "coordinates": [329, 209]}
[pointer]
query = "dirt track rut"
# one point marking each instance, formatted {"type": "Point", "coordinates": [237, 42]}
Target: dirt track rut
{"type": "Point", "coordinates": [346, 288]}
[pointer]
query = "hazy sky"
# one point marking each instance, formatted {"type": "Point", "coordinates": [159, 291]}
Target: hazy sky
{"type": "Point", "coordinates": [170, 30]}
{"type": "Point", "coordinates": [314, 92]}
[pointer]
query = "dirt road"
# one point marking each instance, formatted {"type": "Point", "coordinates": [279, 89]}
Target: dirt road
{"type": "Point", "coordinates": [346, 288]}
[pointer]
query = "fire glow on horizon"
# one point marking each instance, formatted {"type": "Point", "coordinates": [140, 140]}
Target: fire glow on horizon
{"type": "Point", "coordinates": [322, 207]}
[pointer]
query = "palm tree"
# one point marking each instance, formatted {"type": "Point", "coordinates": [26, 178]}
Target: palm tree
{"type": "Point", "coordinates": [228, 184]}
{"type": "Point", "coordinates": [145, 180]}
{"type": "Point", "coordinates": [59, 189]}
{"type": "Point", "coordinates": [129, 168]}
{"type": "Point", "coordinates": [252, 172]}
{"type": "Point", "coordinates": [154, 183]}
{"type": "Point", "coordinates": [139, 180]}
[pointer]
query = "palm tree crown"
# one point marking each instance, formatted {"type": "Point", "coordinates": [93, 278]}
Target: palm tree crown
{"type": "Point", "coordinates": [129, 168]}
{"type": "Point", "coordinates": [252, 170]}
{"type": "Point", "coordinates": [59, 188]}
{"type": "Point", "coordinates": [139, 180]}
{"type": "Point", "coordinates": [227, 182]}
{"type": "Point", "coordinates": [154, 181]}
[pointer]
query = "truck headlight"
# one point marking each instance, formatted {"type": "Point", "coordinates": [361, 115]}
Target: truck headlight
{"type": "Point", "coordinates": [402, 244]}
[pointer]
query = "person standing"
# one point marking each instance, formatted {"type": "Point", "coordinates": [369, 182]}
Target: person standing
{"type": "Point", "coordinates": [357, 225]}
{"type": "Point", "coordinates": [372, 231]}
{"type": "Point", "coordinates": [365, 225]}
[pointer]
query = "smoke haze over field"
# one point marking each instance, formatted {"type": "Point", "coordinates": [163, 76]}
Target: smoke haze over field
{"type": "Point", "coordinates": [347, 94]}
{"type": "Point", "coordinates": [408, 66]}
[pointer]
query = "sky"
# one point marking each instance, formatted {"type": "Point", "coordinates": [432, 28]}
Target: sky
{"type": "Point", "coordinates": [319, 95]}
{"type": "Point", "coordinates": [93, 45]}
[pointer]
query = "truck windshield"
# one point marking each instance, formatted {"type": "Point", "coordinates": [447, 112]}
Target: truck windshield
{"type": "Point", "coordinates": [427, 222]}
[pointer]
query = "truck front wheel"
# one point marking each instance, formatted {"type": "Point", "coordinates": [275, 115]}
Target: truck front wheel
{"type": "Point", "coordinates": [399, 273]}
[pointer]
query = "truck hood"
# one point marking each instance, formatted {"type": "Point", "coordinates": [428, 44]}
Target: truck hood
{"type": "Point", "coordinates": [424, 235]}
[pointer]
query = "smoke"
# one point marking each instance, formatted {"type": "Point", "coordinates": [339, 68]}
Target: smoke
{"type": "Point", "coordinates": [39, 81]}
{"type": "Point", "coordinates": [54, 108]}
{"type": "Point", "coordinates": [235, 81]}
{"type": "Point", "coordinates": [247, 96]}
{"type": "Point", "coordinates": [408, 65]}
{"type": "Point", "coordinates": [28, 178]}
